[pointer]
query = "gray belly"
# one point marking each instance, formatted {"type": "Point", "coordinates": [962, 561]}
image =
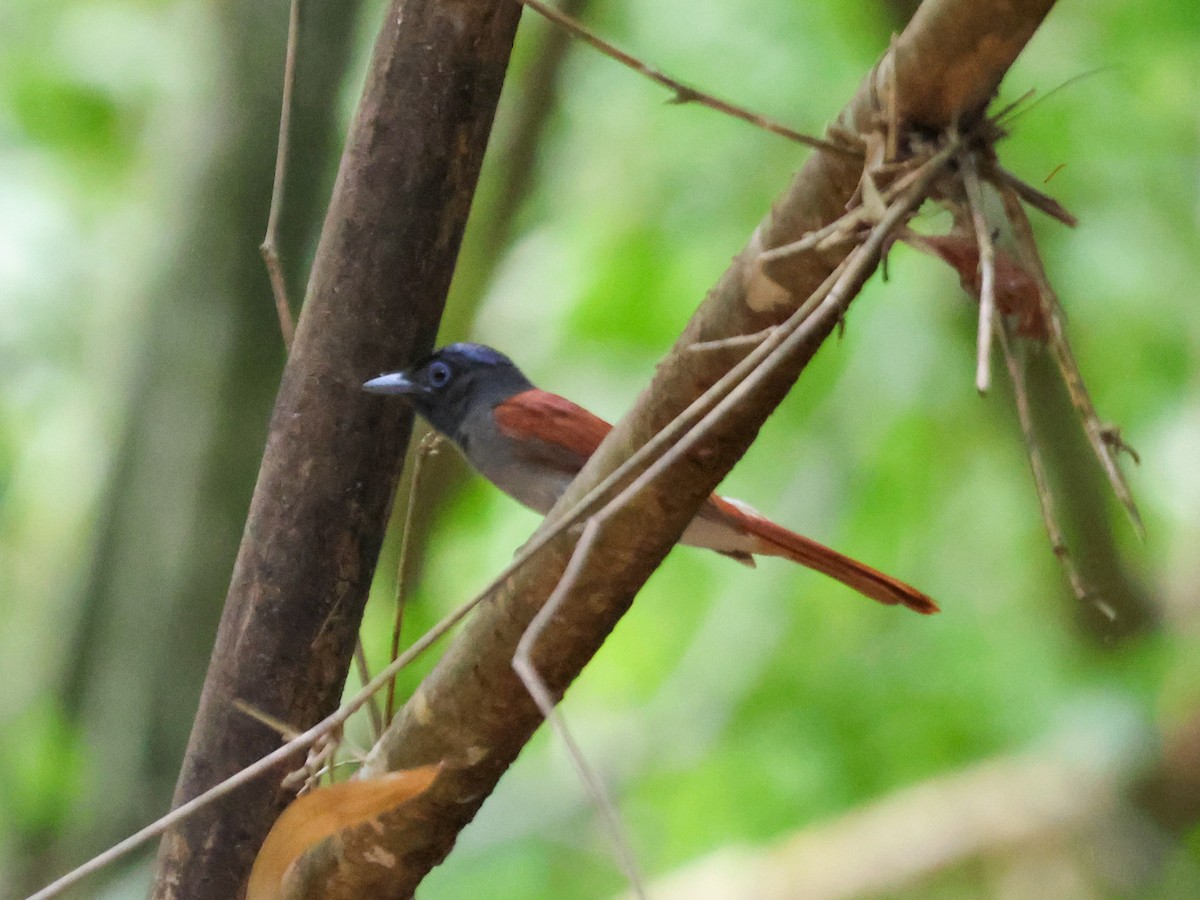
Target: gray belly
{"type": "Point", "coordinates": [538, 491]}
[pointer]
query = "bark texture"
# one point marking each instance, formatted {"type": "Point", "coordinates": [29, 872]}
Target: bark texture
{"type": "Point", "coordinates": [379, 282]}
{"type": "Point", "coordinates": [472, 712]}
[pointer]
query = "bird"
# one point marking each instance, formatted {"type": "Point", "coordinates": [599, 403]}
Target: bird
{"type": "Point", "coordinates": [531, 443]}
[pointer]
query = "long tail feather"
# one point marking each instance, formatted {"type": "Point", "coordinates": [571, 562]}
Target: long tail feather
{"type": "Point", "coordinates": [775, 540]}
{"type": "Point", "coordinates": [778, 541]}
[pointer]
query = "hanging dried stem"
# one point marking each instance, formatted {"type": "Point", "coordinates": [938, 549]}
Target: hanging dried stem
{"type": "Point", "coordinates": [1100, 436]}
{"type": "Point", "coordinates": [1037, 465]}
{"type": "Point", "coordinates": [987, 269]}
{"type": "Point", "coordinates": [1018, 288]}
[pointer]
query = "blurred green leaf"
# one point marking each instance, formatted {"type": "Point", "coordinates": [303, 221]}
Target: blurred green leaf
{"type": "Point", "coordinates": [41, 771]}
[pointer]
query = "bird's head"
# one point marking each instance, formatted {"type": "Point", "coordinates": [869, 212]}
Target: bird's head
{"type": "Point", "coordinates": [450, 383]}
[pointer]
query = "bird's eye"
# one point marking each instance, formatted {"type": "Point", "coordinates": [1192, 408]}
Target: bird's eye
{"type": "Point", "coordinates": [439, 374]}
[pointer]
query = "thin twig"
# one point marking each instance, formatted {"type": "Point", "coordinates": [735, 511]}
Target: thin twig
{"type": "Point", "coordinates": [321, 760]}
{"type": "Point", "coordinates": [1037, 465]}
{"type": "Point", "coordinates": [282, 728]}
{"type": "Point", "coordinates": [682, 92]}
{"type": "Point", "coordinates": [270, 247]}
{"type": "Point", "coordinates": [737, 342]}
{"type": "Point", "coordinates": [892, 105]}
{"type": "Point", "coordinates": [428, 447]}
{"type": "Point", "coordinates": [843, 227]}
{"type": "Point", "coordinates": [828, 300]}
{"type": "Point", "coordinates": [987, 269]}
{"type": "Point", "coordinates": [1098, 434]}
{"type": "Point", "coordinates": [998, 117]}
{"type": "Point", "coordinates": [548, 705]}
{"type": "Point", "coordinates": [364, 675]}
{"type": "Point", "coordinates": [1054, 172]}
{"type": "Point", "coordinates": [321, 755]}
{"type": "Point", "coordinates": [1005, 117]}
{"type": "Point", "coordinates": [1031, 195]}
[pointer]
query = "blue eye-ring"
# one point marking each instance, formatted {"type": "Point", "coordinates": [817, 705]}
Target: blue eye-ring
{"type": "Point", "coordinates": [439, 374]}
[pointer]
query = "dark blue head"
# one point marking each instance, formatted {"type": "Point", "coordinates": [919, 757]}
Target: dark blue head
{"type": "Point", "coordinates": [446, 386]}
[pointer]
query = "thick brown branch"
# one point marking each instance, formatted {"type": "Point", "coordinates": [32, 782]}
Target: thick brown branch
{"type": "Point", "coordinates": [380, 278]}
{"type": "Point", "coordinates": [472, 711]}
{"type": "Point", "coordinates": [972, 47]}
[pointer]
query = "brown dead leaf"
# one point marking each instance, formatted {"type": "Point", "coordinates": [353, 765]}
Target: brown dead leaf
{"type": "Point", "coordinates": [1016, 289]}
{"type": "Point", "coordinates": [324, 812]}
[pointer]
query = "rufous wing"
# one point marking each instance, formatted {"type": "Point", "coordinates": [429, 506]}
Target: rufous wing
{"type": "Point", "coordinates": [551, 430]}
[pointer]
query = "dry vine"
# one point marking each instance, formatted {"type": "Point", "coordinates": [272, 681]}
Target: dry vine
{"type": "Point", "coordinates": [1017, 303]}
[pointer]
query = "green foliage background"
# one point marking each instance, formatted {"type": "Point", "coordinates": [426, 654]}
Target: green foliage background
{"type": "Point", "coordinates": [729, 707]}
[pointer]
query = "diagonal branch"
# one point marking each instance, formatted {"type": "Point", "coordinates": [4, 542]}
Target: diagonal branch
{"type": "Point", "coordinates": [473, 711]}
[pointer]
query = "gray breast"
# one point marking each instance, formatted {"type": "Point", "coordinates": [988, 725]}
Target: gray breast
{"type": "Point", "coordinates": [496, 457]}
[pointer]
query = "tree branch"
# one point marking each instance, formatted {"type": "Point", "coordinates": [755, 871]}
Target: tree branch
{"type": "Point", "coordinates": [472, 711]}
{"type": "Point", "coordinates": [379, 281]}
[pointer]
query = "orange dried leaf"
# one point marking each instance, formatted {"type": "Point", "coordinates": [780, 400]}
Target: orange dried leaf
{"type": "Point", "coordinates": [1016, 289]}
{"type": "Point", "coordinates": [324, 812]}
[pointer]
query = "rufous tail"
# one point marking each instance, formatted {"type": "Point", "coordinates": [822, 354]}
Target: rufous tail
{"type": "Point", "coordinates": [775, 540]}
